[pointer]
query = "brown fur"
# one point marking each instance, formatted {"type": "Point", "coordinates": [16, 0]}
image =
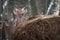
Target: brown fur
{"type": "Point", "coordinates": [39, 29]}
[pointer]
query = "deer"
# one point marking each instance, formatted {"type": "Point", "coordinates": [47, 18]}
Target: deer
{"type": "Point", "coordinates": [21, 15]}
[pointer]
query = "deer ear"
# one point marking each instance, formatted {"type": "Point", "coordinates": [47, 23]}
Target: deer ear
{"type": "Point", "coordinates": [24, 10]}
{"type": "Point", "coordinates": [14, 11]}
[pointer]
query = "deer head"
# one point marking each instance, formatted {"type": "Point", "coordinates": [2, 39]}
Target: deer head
{"type": "Point", "coordinates": [20, 11]}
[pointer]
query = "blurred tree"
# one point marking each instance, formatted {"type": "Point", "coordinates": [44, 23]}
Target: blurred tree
{"type": "Point", "coordinates": [1, 9]}
{"type": "Point", "coordinates": [42, 6]}
{"type": "Point", "coordinates": [34, 9]}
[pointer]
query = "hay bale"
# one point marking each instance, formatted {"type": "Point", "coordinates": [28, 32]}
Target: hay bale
{"type": "Point", "coordinates": [39, 29]}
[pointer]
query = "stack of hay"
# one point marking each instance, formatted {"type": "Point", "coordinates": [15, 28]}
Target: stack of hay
{"type": "Point", "coordinates": [39, 29]}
